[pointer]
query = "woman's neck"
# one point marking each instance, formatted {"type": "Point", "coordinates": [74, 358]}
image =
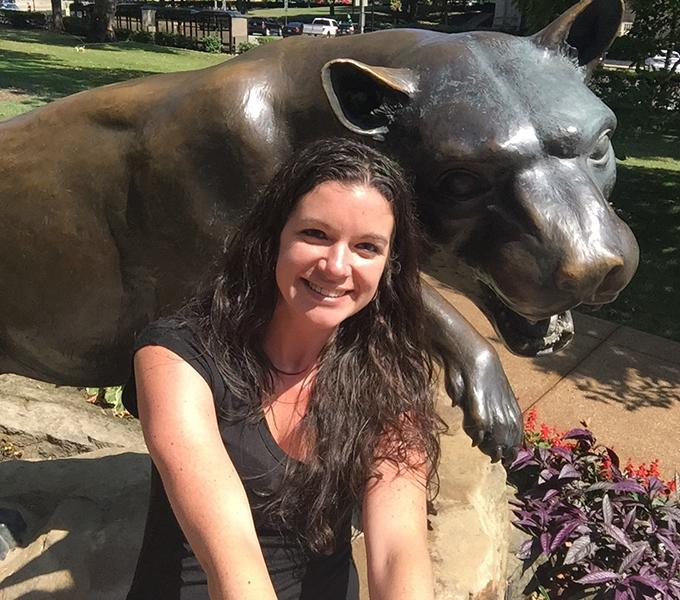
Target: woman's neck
{"type": "Point", "coordinates": [292, 345]}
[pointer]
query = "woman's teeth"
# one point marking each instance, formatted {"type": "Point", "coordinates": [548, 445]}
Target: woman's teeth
{"type": "Point", "coordinates": [324, 292]}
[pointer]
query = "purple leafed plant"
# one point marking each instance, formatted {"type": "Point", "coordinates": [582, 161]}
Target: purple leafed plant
{"type": "Point", "coordinates": [604, 534]}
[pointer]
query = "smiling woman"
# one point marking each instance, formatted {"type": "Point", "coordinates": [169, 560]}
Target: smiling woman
{"type": "Point", "coordinates": [332, 254]}
{"type": "Point", "coordinates": [293, 392]}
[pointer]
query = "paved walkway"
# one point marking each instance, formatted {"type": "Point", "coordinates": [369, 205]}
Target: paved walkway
{"type": "Point", "coordinates": [624, 383]}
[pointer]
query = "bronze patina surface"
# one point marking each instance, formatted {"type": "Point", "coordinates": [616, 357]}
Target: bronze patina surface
{"type": "Point", "coordinates": [115, 202]}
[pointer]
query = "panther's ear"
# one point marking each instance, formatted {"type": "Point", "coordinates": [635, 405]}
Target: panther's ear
{"type": "Point", "coordinates": [365, 99]}
{"type": "Point", "coordinates": [589, 26]}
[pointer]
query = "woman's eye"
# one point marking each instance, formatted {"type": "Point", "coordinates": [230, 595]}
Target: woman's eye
{"type": "Point", "coordinates": [368, 247]}
{"type": "Point", "coordinates": [314, 233]}
{"type": "Point", "coordinates": [461, 185]}
{"type": "Point", "coordinates": [600, 152]}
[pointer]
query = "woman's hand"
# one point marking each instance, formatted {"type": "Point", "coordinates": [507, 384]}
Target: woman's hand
{"type": "Point", "coordinates": [395, 529]}
{"type": "Point", "coordinates": [178, 418]}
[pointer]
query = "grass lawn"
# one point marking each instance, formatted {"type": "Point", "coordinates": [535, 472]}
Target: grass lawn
{"type": "Point", "coordinates": [647, 197]}
{"type": "Point", "coordinates": [36, 67]}
{"type": "Point", "coordinates": [301, 13]}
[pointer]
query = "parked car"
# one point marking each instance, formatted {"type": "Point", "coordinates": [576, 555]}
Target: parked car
{"type": "Point", "coordinates": [345, 28]}
{"type": "Point", "coordinates": [293, 28]}
{"type": "Point", "coordinates": [321, 26]}
{"type": "Point", "coordinates": [8, 5]}
{"type": "Point", "coordinates": [658, 61]}
{"type": "Point", "coordinates": [259, 26]}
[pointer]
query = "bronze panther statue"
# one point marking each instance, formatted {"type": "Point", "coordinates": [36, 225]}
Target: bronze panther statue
{"type": "Point", "coordinates": [114, 201]}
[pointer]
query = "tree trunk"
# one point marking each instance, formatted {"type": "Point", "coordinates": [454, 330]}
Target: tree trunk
{"type": "Point", "coordinates": [413, 11]}
{"type": "Point", "coordinates": [103, 16]}
{"type": "Point", "coordinates": [57, 16]}
{"type": "Point", "coordinates": [672, 41]}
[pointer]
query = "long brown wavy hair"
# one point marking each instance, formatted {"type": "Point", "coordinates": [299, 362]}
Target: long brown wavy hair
{"type": "Point", "coordinates": [374, 379]}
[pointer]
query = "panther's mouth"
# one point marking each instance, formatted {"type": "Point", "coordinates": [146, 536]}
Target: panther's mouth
{"type": "Point", "coordinates": [525, 337]}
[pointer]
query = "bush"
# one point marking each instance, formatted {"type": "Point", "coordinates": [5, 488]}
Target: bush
{"type": "Point", "coordinates": [142, 37]}
{"type": "Point", "coordinates": [245, 46]}
{"type": "Point", "coordinates": [606, 532]}
{"type": "Point", "coordinates": [21, 19]}
{"type": "Point", "coordinates": [212, 43]}
{"type": "Point", "coordinates": [649, 99]}
{"type": "Point", "coordinates": [176, 40]}
{"type": "Point", "coordinates": [123, 35]}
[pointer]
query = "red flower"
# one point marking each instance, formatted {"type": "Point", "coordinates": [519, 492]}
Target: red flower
{"type": "Point", "coordinates": [530, 425]}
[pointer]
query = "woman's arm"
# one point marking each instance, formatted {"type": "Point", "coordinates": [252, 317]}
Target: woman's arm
{"type": "Point", "coordinates": [180, 428]}
{"type": "Point", "coordinates": [395, 531]}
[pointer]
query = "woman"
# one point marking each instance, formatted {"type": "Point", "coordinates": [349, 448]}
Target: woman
{"type": "Point", "coordinates": [292, 393]}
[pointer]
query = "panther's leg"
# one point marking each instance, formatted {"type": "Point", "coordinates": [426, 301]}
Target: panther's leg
{"type": "Point", "coordinates": [474, 379]}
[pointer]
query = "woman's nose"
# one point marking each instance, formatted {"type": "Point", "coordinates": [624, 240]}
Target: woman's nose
{"type": "Point", "coordinates": [336, 261]}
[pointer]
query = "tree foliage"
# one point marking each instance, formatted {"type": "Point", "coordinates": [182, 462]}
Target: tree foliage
{"type": "Point", "coordinates": [536, 14]}
{"type": "Point", "coordinates": [656, 27]}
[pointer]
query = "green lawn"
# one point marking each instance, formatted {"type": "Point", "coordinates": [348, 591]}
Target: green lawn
{"type": "Point", "coordinates": [647, 196]}
{"type": "Point", "coordinates": [300, 13]}
{"type": "Point", "coordinates": [36, 67]}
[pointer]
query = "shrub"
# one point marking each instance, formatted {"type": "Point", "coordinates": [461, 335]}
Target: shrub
{"type": "Point", "coordinates": [607, 532]}
{"type": "Point", "coordinates": [21, 19]}
{"type": "Point", "coordinates": [176, 40]}
{"type": "Point", "coordinates": [108, 397]}
{"type": "Point", "coordinates": [245, 46]}
{"type": "Point", "coordinates": [212, 43]}
{"type": "Point", "coordinates": [123, 35]}
{"type": "Point", "coordinates": [641, 99]}
{"type": "Point", "coordinates": [142, 37]}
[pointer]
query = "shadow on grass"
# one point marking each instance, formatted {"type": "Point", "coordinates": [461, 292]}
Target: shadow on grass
{"type": "Point", "coordinates": [649, 201]}
{"type": "Point", "coordinates": [648, 147]}
{"type": "Point", "coordinates": [28, 36]}
{"type": "Point", "coordinates": [71, 41]}
{"type": "Point", "coordinates": [46, 78]}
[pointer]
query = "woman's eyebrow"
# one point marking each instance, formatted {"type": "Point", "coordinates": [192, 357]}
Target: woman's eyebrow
{"type": "Point", "coordinates": [375, 237]}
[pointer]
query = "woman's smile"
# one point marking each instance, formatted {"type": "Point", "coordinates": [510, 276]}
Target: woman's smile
{"type": "Point", "coordinates": [325, 292]}
{"type": "Point", "coordinates": [332, 254]}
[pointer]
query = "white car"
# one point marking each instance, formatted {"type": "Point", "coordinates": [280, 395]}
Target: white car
{"type": "Point", "coordinates": [658, 61]}
{"type": "Point", "coordinates": [321, 27]}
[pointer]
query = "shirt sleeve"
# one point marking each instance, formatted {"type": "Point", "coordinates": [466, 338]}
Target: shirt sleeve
{"type": "Point", "coordinates": [179, 338]}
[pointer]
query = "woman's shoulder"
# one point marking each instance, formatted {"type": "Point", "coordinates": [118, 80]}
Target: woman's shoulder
{"type": "Point", "coordinates": [182, 337]}
{"type": "Point", "coordinates": [168, 330]}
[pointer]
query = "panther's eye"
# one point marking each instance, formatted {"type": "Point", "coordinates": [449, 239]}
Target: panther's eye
{"type": "Point", "coordinates": [600, 152]}
{"type": "Point", "coordinates": [461, 185]}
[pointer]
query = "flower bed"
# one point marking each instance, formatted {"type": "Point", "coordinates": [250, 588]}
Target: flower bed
{"type": "Point", "coordinates": [602, 530]}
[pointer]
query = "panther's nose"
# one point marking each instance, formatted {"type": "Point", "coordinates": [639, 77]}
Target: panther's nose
{"type": "Point", "coordinates": [602, 278]}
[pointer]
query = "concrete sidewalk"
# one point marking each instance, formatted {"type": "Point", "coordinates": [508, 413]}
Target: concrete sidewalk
{"type": "Point", "coordinates": [625, 384]}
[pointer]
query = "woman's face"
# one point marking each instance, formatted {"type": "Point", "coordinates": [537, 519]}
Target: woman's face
{"type": "Point", "coordinates": [332, 253]}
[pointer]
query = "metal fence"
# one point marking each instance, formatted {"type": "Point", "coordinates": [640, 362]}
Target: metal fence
{"type": "Point", "coordinates": [190, 23]}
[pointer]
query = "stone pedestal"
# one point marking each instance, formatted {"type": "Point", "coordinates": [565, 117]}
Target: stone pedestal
{"type": "Point", "coordinates": [470, 536]}
{"type": "Point", "coordinates": [85, 514]}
